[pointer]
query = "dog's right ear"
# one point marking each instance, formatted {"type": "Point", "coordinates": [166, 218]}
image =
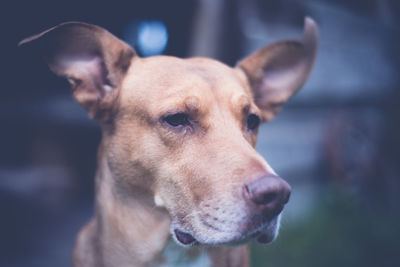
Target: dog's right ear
{"type": "Point", "coordinates": [93, 60]}
{"type": "Point", "coordinates": [276, 71]}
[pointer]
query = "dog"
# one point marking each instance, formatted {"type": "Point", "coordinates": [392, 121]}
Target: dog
{"type": "Point", "coordinates": [177, 156]}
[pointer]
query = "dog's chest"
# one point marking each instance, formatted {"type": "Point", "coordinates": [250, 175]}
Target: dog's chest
{"type": "Point", "coordinates": [177, 256]}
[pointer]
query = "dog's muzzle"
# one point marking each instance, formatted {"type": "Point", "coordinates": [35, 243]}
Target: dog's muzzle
{"type": "Point", "coordinates": [262, 201]}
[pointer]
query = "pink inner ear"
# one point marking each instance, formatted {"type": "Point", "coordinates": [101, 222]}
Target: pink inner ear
{"type": "Point", "coordinates": [90, 71]}
{"type": "Point", "coordinates": [283, 80]}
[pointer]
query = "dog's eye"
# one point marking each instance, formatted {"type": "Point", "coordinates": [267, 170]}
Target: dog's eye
{"type": "Point", "coordinates": [253, 121]}
{"type": "Point", "coordinates": [176, 120]}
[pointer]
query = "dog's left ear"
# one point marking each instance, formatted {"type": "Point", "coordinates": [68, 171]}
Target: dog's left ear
{"type": "Point", "coordinates": [277, 71]}
{"type": "Point", "coordinates": [93, 60]}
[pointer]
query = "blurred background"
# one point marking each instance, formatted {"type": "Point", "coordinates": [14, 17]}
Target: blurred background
{"type": "Point", "coordinates": [336, 141]}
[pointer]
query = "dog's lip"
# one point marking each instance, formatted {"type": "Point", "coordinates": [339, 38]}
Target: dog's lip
{"type": "Point", "coordinates": [264, 238]}
{"type": "Point", "coordinates": [264, 231]}
{"type": "Point", "coordinates": [263, 234]}
{"type": "Point", "coordinates": [185, 238]}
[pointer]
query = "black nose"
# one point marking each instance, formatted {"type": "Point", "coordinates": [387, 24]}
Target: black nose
{"type": "Point", "coordinates": [268, 193]}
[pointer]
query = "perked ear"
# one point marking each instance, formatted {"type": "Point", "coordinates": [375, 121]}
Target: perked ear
{"type": "Point", "coordinates": [277, 71]}
{"type": "Point", "coordinates": [93, 60]}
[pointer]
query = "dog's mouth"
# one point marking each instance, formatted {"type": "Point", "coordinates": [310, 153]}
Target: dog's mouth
{"type": "Point", "coordinates": [265, 233]}
{"type": "Point", "coordinates": [185, 239]}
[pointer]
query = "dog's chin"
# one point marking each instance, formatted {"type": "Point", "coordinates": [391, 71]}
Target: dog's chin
{"type": "Point", "coordinates": [264, 234]}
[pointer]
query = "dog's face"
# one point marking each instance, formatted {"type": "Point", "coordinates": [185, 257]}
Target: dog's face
{"type": "Point", "coordinates": [191, 126]}
{"type": "Point", "coordinates": [185, 129]}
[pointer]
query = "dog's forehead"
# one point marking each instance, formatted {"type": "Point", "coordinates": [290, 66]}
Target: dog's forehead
{"type": "Point", "coordinates": [162, 77]}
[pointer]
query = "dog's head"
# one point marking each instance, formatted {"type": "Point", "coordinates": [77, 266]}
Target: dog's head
{"type": "Point", "coordinates": [185, 129]}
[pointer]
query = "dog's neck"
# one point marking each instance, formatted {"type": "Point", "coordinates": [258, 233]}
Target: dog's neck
{"type": "Point", "coordinates": [131, 230]}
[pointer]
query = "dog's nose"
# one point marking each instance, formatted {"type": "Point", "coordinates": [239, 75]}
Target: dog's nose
{"type": "Point", "coordinates": [268, 193]}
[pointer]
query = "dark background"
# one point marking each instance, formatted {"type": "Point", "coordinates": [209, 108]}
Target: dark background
{"type": "Point", "coordinates": [336, 141]}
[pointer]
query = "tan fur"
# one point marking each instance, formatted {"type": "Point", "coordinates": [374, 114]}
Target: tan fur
{"type": "Point", "coordinates": [152, 178]}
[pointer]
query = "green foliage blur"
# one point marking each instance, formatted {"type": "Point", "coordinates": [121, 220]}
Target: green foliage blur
{"type": "Point", "coordinates": [341, 231]}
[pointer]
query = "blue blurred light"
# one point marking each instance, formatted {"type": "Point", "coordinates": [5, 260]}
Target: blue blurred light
{"type": "Point", "coordinates": [150, 37]}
